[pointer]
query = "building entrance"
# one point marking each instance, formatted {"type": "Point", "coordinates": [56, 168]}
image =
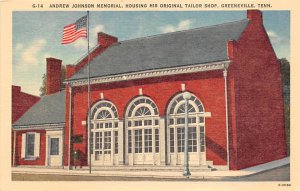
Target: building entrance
{"type": "Point", "coordinates": [142, 132]}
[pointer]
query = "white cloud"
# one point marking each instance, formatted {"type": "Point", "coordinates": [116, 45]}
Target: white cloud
{"type": "Point", "coordinates": [31, 53]}
{"type": "Point", "coordinates": [185, 24]}
{"type": "Point", "coordinates": [96, 29]}
{"type": "Point", "coordinates": [274, 37]}
{"type": "Point", "coordinates": [27, 69]}
{"type": "Point", "coordinates": [19, 46]}
{"type": "Point", "coordinates": [82, 42]}
{"type": "Point", "coordinates": [46, 55]}
{"type": "Point", "coordinates": [167, 28]}
{"type": "Point", "coordinates": [182, 25]}
{"type": "Point", "coordinates": [272, 34]}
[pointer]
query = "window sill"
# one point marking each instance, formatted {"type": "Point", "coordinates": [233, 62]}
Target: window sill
{"type": "Point", "coordinates": [31, 158]}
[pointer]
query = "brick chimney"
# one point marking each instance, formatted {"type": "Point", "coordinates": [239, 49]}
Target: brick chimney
{"type": "Point", "coordinates": [255, 15]}
{"type": "Point", "coordinates": [16, 90]}
{"type": "Point", "coordinates": [53, 76]}
{"type": "Point", "coordinates": [106, 40]}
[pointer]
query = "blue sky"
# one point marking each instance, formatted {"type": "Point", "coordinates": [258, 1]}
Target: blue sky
{"type": "Point", "coordinates": [37, 35]}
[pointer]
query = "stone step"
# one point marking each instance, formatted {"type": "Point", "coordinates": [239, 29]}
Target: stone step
{"type": "Point", "coordinates": [202, 168]}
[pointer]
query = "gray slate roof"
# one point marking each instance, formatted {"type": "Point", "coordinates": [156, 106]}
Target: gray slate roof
{"type": "Point", "coordinates": [50, 109]}
{"type": "Point", "coordinates": [195, 46]}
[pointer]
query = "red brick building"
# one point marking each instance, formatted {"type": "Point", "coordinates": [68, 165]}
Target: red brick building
{"type": "Point", "coordinates": [21, 102]}
{"type": "Point", "coordinates": [42, 126]}
{"type": "Point", "coordinates": [235, 119]}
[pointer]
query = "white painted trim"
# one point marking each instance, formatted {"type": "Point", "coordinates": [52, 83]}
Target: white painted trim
{"type": "Point", "coordinates": [37, 139]}
{"type": "Point", "coordinates": [152, 73]}
{"type": "Point", "coordinates": [57, 132]}
{"type": "Point", "coordinates": [177, 95]}
{"type": "Point", "coordinates": [131, 157]}
{"type": "Point", "coordinates": [144, 104]}
{"type": "Point", "coordinates": [226, 110]}
{"type": "Point", "coordinates": [120, 142]}
{"type": "Point", "coordinates": [42, 126]}
{"type": "Point", "coordinates": [207, 114]}
{"type": "Point", "coordinates": [103, 109]}
{"type": "Point", "coordinates": [183, 87]}
{"type": "Point", "coordinates": [14, 147]}
{"type": "Point", "coordinates": [162, 141]}
{"type": "Point", "coordinates": [174, 157]}
{"type": "Point", "coordinates": [54, 134]}
{"type": "Point", "coordinates": [47, 151]}
{"type": "Point", "coordinates": [63, 147]}
{"type": "Point", "coordinates": [103, 130]}
{"type": "Point", "coordinates": [23, 146]}
{"type": "Point", "coordinates": [151, 109]}
{"type": "Point", "coordinates": [95, 106]}
{"type": "Point", "coordinates": [70, 129]}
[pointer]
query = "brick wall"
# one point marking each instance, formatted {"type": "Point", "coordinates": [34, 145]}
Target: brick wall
{"type": "Point", "coordinates": [21, 102]}
{"type": "Point", "coordinates": [208, 87]}
{"type": "Point", "coordinates": [40, 160]}
{"type": "Point", "coordinates": [256, 101]}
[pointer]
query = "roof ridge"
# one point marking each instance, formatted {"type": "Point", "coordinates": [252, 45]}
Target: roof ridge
{"type": "Point", "coordinates": [223, 33]}
{"type": "Point", "coordinates": [59, 92]}
{"type": "Point", "coordinates": [193, 29]}
{"type": "Point", "coordinates": [154, 36]}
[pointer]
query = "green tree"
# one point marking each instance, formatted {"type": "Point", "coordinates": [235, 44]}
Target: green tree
{"type": "Point", "coordinates": [63, 77]}
{"type": "Point", "coordinates": [285, 72]}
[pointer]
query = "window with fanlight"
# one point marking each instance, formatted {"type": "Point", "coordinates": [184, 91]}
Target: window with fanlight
{"type": "Point", "coordinates": [176, 121]}
{"type": "Point", "coordinates": [104, 129]}
{"type": "Point", "coordinates": [142, 126]}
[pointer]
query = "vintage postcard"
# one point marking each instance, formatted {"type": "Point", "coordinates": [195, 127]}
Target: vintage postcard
{"type": "Point", "coordinates": [149, 95]}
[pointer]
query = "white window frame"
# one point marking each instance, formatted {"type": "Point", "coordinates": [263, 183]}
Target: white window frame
{"type": "Point", "coordinates": [103, 126]}
{"type": "Point", "coordinates": [36, 146]}
{"type": "Point", "coordinates": [144, 122]}
{"type": "Point", "coordinates": [58, 149]}
{"type": "Point", "coordinates": [176, 103]}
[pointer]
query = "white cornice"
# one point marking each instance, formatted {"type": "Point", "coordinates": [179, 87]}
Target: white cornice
{"type": "Point", "coordinates": [42, 126]}
{"type": "Point", "coordinates": [152, 73]}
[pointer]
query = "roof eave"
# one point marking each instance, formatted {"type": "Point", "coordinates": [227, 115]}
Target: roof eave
{"type": "Point", "coordinates": [40, 126]}
{"type": "Point", "coordinates": [218, 65]}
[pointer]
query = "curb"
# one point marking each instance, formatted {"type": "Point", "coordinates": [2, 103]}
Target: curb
{"type": "Point", "coordinates": [212, 175]}
{"type": "Point", "coordinates": [145, 175]}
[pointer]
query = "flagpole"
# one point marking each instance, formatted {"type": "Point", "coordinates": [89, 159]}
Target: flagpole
{"type": "Point", "coordinates": [89, 90]}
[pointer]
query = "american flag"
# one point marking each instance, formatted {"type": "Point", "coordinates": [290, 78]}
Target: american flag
{"type": "Point", "coordinates": [75, 30]}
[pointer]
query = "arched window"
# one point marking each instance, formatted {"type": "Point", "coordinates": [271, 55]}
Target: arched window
{"type": "Point", "coordinates": [104, 132]}
{"type": "Point", "coordinates": [176, 121]}
{"type": "Point", "coordinates": [142, 129]}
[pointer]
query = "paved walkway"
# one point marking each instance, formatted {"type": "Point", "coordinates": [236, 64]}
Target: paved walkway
{"type": "Point", "coordinates": [158, 174]}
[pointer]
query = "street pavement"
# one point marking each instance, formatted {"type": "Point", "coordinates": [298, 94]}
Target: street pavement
{"type": "Point", "coordinates": [142, 174]}
{"type": "Point", "coordinates": [277, 174]}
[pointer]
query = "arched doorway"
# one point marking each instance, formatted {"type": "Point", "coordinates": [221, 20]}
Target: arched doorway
{"type": "Point", "coordinates": [175, 131]}
{"type": "Point", "coordinates": [104, 133]}
{"type": "Point", "coordinates": [142, 130]}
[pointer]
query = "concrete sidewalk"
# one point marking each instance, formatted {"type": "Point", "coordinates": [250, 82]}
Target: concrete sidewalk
{"type": "Point", "coordinates": [157, 174]}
